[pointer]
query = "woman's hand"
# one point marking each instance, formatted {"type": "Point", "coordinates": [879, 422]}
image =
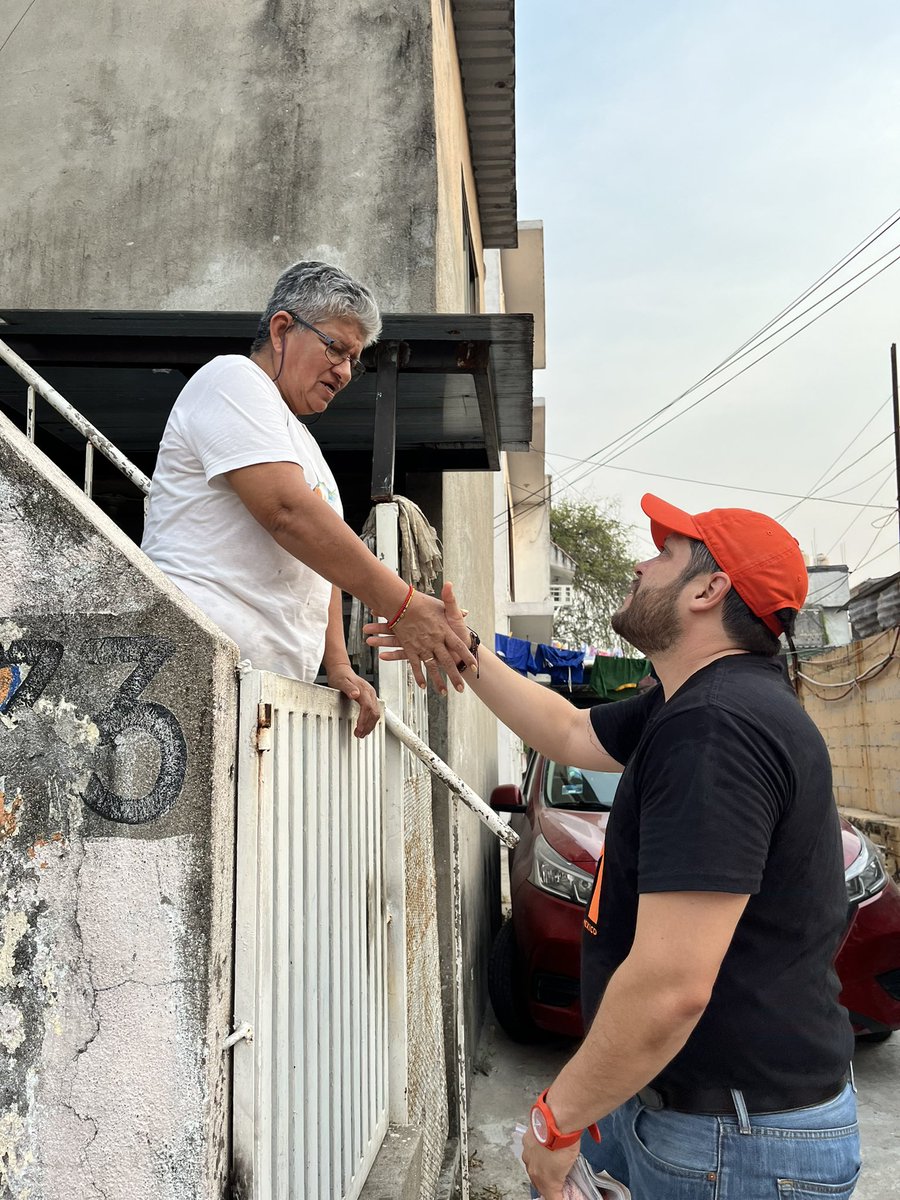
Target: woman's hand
{"type": "Point", "coordinates": [344, 679]}
{"type": "Point", "coordinates": [432, 635]}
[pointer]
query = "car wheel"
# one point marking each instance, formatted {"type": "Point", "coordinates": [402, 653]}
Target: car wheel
{"type": "Point", "coordinates": [507, 989]}
{"type": "Point", "coordinates": [874, 1039]}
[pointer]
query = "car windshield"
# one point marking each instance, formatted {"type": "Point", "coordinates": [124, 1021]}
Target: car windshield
{"type": "Point", "coordinates": [571, 787]}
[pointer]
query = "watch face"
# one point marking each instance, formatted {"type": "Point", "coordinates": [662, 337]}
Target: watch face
{"type": "Point", "coordinates": [539, 1126]}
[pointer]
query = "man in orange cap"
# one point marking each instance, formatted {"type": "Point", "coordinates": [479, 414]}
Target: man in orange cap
{"type": "Point", "coordinates": [717, 1058]}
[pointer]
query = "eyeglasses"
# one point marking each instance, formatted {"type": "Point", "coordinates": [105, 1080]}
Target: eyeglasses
{"type": "Point", "coordinates": [334, 352]}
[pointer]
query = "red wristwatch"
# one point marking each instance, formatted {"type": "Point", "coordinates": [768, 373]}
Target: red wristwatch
{"type": "Point", "coordinates": [544, 1127]}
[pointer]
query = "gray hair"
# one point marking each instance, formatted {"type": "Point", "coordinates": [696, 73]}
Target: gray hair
{"type": "Point", "coordinates": [317, 292]}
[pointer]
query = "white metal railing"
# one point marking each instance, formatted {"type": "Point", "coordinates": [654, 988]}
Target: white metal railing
{"type": "Point", "coordinates": [438, 767]}
{"type": "Point", "coordinates": [94, 439]}
{"type": "Point", "coordinates": [311, 1087]}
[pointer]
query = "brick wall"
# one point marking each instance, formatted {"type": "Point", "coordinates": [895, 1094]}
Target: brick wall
{"type": "Point", "coordinates": [861, 724]}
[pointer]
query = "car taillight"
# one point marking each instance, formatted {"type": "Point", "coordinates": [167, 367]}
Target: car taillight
{"type": "Point", "coordinates": [555, 874]}
{"type": "Point", "coordinates": [866, 876]}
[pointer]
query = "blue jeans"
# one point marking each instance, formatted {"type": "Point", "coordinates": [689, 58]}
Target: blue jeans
{"type": "Point", "coordinates": [666, 1155]}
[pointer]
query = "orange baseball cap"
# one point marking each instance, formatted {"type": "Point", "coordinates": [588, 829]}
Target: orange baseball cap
{"type": "Point", "coordinates": [762, 560]}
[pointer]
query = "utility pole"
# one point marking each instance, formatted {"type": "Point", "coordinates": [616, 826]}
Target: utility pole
{"type": "Point", "coordinates": [896, 426]}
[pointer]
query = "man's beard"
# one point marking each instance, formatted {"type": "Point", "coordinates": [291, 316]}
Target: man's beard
{"type": "Point", "coordinates": [651, 622]}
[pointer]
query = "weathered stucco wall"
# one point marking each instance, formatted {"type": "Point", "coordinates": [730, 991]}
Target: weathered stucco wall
{"type": "Point", "coordinates": [117, 739]}
{"type": "Point", "coordinates": [861, 724]}
{"type": "Point", "coordinates": [471, 728]}
{"type": "Point", "coordinates": [463, 731]}
{"type": "Point", "coordinates": [455, 177]}
{"type": "Point", "coordinates": [196, 150]}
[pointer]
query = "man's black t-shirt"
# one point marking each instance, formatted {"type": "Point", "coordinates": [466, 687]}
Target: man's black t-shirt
{"type": "Point", "coordinates": [727, 788]}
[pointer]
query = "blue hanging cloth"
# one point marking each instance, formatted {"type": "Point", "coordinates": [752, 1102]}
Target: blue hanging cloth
{"type": "Point", "coordinates": [563, 666]}
{"type": "Point", "coordinates": [515, 652]}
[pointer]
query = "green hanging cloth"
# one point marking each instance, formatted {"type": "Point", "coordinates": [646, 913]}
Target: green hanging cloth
{"type": "Point", "coordinates": [617, 678]}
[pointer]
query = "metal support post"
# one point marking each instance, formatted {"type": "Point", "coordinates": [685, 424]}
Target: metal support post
{"type": "Point", "coordinates": [462, 1093]}
{"type": "Point", "coordinates": [384, 449]}
{"type": "Point", "coordinates": [896, 392]}
{"type": "Point", "coordinates": [89, 469]}
{"type": "Point", "coordinates": [30, 414]}
{"type": "Point", "coordinates": [391, 688]}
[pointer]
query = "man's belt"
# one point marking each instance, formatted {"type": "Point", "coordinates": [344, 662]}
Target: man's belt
{"type": "Point", "coordinates": [718, 1101]}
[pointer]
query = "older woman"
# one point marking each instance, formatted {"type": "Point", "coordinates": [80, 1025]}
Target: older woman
{"type": "Point", "coordinates": [245, 514]}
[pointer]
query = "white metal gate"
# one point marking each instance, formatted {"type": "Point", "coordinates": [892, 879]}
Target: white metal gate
{"type": "Point", "coordinates": [310, 1086]}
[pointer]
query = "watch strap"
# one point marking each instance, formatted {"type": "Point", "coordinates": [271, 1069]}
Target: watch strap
{"type": "Point", "coordinates": [555, 1139]}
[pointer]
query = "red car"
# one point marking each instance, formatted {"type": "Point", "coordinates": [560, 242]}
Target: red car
{"type": "Point", "coordinates": [560, 814]}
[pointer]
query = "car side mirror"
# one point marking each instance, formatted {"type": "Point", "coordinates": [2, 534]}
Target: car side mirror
{"type": "Point", "coordinates": [508, 798]}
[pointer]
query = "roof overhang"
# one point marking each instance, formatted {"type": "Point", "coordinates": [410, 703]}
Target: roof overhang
{"type": "Point", "coordinates": [486, 44]}
{"type": "Point", "coordinates": [440, 392]}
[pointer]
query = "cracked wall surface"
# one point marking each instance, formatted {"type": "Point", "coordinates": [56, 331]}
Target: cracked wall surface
{"type": "Point", "coordinates": [117, 743]}
{"type": "Point", "coordinates": [197, 150]}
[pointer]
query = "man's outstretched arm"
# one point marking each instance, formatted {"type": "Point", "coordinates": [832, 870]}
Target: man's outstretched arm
{"type": "Point", "coordinates": [544, 720]}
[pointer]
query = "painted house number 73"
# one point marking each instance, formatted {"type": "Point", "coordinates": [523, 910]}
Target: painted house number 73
{"type": "Point", "coordinates": [125, 712]}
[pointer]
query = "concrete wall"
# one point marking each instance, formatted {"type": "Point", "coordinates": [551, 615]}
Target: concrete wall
{"type": "Point", "coordinates": [471, 728]}
{"type": "Point", "coordinates": [462, 730]}
{"type": "Point", "coordinates": [531, 606]}
{"type": "Point", "coordinates": [117, 728]}
{"type": "Point", "coordinates": [171, 156]}
{"type": "Point", "coordinates": [523, 282]}
{"type": "Point", "coordinates": [861, 725]}
{"type": "Point", "coordinates": [454, 172]}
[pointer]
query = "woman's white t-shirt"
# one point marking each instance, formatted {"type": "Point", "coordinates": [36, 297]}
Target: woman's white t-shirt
{"type": "Point", "coordinates": [230, 415]}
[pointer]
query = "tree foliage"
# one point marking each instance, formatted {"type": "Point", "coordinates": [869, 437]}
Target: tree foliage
{"type": "Point", "coordinates": [600, 545]}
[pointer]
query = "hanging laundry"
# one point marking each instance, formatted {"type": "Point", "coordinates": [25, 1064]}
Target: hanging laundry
{"type": "Point", "coordinates": [563, 666]}
{"type": "Point", "coordinates": [515, 652]}
{"type": "Point", "coordinates": [617, 678]}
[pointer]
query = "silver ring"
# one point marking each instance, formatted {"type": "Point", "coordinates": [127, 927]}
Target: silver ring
{"type": "Point", "coordinates": [425, 660]}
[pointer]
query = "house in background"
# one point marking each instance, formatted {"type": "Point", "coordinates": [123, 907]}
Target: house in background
{"type": "Point", "coordinates": [521, 530]}
{"type": "Point", "coordinates": [192, 155]}
{"type": "Point", "coordinates": [874, 606]}
{"type": "Point", "coordinates": [562, 577]}
{"type": "Point", "coordinates": [523, 546]}
{"type": "Point", "coordinates": [823, 620]}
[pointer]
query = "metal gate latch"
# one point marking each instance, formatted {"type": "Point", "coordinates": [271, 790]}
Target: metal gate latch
{"type": "Point", "coordinates": [242, 1033]}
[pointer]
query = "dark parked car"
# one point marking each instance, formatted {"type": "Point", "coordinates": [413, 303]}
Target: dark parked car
{"type": "Point", "coordinates": [560, 814]}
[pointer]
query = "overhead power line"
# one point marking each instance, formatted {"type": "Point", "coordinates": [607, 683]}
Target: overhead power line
{"type": "Point", "coordinates": [735, 487]}
{"type": "Point", "coordinates": [843, 471]}
{"type": "Point", "coordinates": [885, 475]}
{"type": "Point", "coordinates": [868, 241]}
{"type": "Point", "coordinates": [743, 370]}
{"type": "Point", "coordinates": [852, 488]}
{"type": "Point", "coordinates": [620, 444]}
{"type": "Point", "coordinates": [826, 473]}
{"type": "Point", "coordinates": [16, 26]}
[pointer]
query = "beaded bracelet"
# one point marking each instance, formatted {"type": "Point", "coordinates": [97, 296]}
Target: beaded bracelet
{"type": "Point", "coordinates": [402, 610]}
{"type": "Point", "coordinates": [474, 643]}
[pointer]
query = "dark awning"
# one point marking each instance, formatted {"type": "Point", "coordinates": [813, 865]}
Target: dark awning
{"type": "Point", "coordinates": [463, 383]}
{"type": "Point", "coordinates": [486, 43]}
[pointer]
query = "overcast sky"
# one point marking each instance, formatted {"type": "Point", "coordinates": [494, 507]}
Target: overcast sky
{"type": "Point", "coordinates": [697, 166]}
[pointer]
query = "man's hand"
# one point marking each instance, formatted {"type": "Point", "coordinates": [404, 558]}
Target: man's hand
{"type": "Point", "coordinates": [431, 635]}
{"type": "Point", "coordinates": [344, 679]}
{"type": "Point", "coordinates": [547, 1169]}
